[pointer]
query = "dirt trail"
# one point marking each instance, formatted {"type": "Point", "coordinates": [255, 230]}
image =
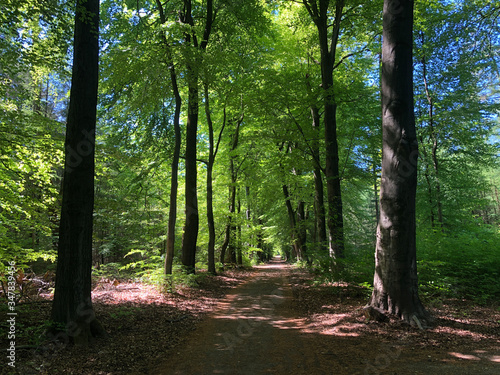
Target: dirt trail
{"type": "Point", "coordinates": [255, 330]}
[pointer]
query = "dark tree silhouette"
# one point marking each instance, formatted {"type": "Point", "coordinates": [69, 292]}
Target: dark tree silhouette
{"type": "Point", "coordinates": [395, 283]}
{"type": "Point", "coordinates": [72, 304]}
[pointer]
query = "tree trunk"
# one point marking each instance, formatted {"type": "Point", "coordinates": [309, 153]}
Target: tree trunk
{"type": "Point", "coordinates": [302, 230]}
{"type": "Point", "coordinates": [210, 166]}
{"type": "Point", "coordinates": [212, 153]}
{"type": "Point", "coordinates": [191, 225]}
{"type": "Point", "coordinates": [319, 202]}
{"type": "Point", "coordinates": [72, 304]}
{"type": "Point", "coordinates": [433, 136]}
{"type": "Point", "coordinates": [260, 240]}
{"type": "Point", "coordinates": [321, 17]}
{"type": "Point", "coordinates": [375, 190]}
{"type": "Point", "coordinates": [231, 256]}
{"type": "Point", "coordinates": [172, 214]}
{"type": "Point", "coordinates": [239, 250]}
{"type": "Point", "coordinates": [428, 182]}
{"type": "Point", "coordinates": [229, 240]}
{"type": "Point", "coordinates": [295, 221]}
{"type": "Point", "coordinates": [395, 288]}
{"type": "Point", "coordinates": [225, 244]}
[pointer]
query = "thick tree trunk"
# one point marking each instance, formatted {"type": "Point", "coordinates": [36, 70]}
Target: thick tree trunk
{"type": "Point", "coordinates": [191, 225]}
{"type": "Point", "coordinates": [395, 288]}
{"type": "Point", "coordinates": [72, 304]}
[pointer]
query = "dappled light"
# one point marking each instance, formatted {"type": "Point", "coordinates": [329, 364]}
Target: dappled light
{"type": "Point", "coordinates": [476, 355]}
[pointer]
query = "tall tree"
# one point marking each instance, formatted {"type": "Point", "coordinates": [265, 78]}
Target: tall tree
{"type": "Point", "coordinates": [320, 12]}
{"type": "Point", "coordinates": [212, 153]}
{"type": "Point", "coordinates": [395, 288]}
{"type": "Point", "coordinates": [72, 304]}
{"type": "Point", "coordinates": [191, 225]}
{"type": "Point", "coordinates": [172, 214]}
{"type": "Point", "coordinates": [230, 232]}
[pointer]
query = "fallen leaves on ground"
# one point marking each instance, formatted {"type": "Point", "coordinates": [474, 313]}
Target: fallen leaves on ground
{"type": "Point", "coordinates": [146, 326]}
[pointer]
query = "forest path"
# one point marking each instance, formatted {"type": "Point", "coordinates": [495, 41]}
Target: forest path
{"type": "Point", "coordinates": [255, 330]}
{"type": "Point", "coordinates": [252, 331]}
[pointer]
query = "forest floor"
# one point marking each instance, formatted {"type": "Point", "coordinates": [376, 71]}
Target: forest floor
{"type": "Point", "coordinates": [268, 320]}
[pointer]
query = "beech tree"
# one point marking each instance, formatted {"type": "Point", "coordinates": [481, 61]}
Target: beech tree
{"type": "Point", "coordinates": [192, 215]}
{"type": "Point", "coordinates": [172, 214]}
{"type": "Point", "coordinates": [395, 285]}
{"type": "Point", "coordinates": [320, 12]}
{"type": "Point", "coordinates": [72, 304]}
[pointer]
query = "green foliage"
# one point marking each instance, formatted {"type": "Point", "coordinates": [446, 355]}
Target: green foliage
{"type": "Point", "coordinates": [145, 267]}
{"type": "Point", "coordinates": [461, 264]}
{"type": "Point", "coordinates": [33, 88]}
{"type": "Point", "coordinates": [180, 279]}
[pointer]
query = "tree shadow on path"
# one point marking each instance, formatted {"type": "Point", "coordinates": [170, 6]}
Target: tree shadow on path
{"type": "Point", "coordinates": [255, 330]}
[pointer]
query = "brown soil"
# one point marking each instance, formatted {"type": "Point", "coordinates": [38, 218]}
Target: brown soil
{"type": "Point", "coordinates": [271, 321]}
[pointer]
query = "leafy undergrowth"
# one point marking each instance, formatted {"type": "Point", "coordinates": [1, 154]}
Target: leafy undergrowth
{"type": "Point", "coordinates": [143, 324]}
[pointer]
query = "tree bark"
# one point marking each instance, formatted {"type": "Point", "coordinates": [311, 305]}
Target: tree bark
{"type": "Point", "coordinates": [428, 182]}
{"type": "Point", "coordinates": [302, 230]}
{"type": "Point", "coordinates": [191, 225]}
{"type": "Point", "coordinates": [231, 256]}
{"type": "Point", "coordinates": [260, 240]}
{"type": "Point", "coordinates": [172, 214]}
{"type": "Point", "coordinates": [318, 11]}
{"type": "Point", "coordinates": [212, 153]}
{"type": "Point", "coordinates": [229, 240]}
{"type": "Point", "coordinates": [72, 304]}
{"type": "Point", "coordinates": [239, 250]}
{"type": "Point", "coordinates": [293, 223]}
{"type": "Point", "coordinates": [433, 136]}
{"type": "Point", "coordinates": [375, 191]}
{"type": "Point", "coordinates": [395, 288]}
{"type": "Point", "coordinates": [210, 211]}
{"type": "Point", "coordinates": [319, 201]}
{"type": "Point", "coordinates": [225, 244]}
